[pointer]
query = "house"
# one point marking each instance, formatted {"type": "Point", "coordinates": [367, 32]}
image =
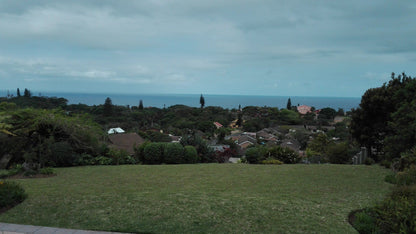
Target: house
{"type": "Point", "coordinates": [220, 148]}
{"type": "Point", "coordinates": [266, 137]}
{"type": "Point", "coordinates": [115, 130]}
{"type": "Point", "coordinates": [291, 143]}
{"type": "Point", "coordinates": [304, 109]}
{"type": "Point", "coordinates": [175, 139]}
{"type": "Point", "coordinates": [218, 125]}
{"type": "Point", "coordinates": [125, 141]}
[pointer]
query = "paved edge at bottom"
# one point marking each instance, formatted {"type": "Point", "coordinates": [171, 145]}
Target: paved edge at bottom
{"type": "Point", "coordinates": [10, 228]}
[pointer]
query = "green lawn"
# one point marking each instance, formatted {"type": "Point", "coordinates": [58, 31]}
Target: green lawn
{"type": "Point", "coordinates": [205, 198]}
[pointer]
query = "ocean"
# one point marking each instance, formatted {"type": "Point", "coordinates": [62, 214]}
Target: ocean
{"type": "Point", "coordinates": [225, 101]}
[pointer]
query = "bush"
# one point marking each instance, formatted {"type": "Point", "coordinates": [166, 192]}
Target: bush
{"type": "Point", "coordinates": [101, 160]}
{"type": "Point", "coordinates": [11, 194]}
{"type": "Point", "coordinates": [174, 153]}
{"type": "Point", "coordinates": [338, 153]}
{"type": "Point", "coordinates": [190, 154]}
{"type": "Point", "coordinates": [385, 163]}
{"type": "Point", "coordinates": [47, 171]}
{"type": "Point", "coordinates": [366, 221]}
{"type": "Point", "coordinates": [119, 156]}
{"type": "Point", "coordinates": [153, 153]}
{"type": "Point", "coordinates": [369, 161]}
{"type": "Point", "coordinates": [407, 177]}
{"type": "Point", "coordinates": [253, 155]}
{"type": "Point", "coordinates": [397, 214]}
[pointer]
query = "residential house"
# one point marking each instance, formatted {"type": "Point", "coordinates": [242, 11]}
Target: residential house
{"type": "Point", "coordinates": [125, 141]}
{"type": "Point", "coordinates": [291, 143]}
{"type": "Point", "coordinates": [115, 131]}
{"type": "Point", "coordinates": [218, 125]}
{"type": "Point", "coordinates": [304, 109]}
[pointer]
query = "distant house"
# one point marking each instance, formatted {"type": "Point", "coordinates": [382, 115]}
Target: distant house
{"type": "Point", "coordinates": [218, 125]}
{"type": "Point", "coordinates": [115, 131]}
{"type": "Point", "coordinates": [291, 143]}
{"type": "Point", "coordinates": [304, 109]}
{"type": "Point", "coordinates": [125, 141]}
{"type": "Point", "coordinates": [175, 139]}
{"type": "Point", "coordinates": [220, 148]}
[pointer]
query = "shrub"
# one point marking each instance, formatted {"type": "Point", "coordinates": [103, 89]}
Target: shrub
{"type": "Point", "coordinates": [397, 214]}
{"type": "Point", "coordinates": [47, 171]}
{"type": "Point", "coordinates": [385, 163]}
{"type": "Point", "coordinates": [407, 177]}
{"type": "Point", "coordinates": [11, 194]}
{"type": "Point", "coordinates": [369, 161]}
{"type": "Point", "coordinates": [101, 160]}
{"type": "Point", "coordinates": [173, 153]}
{"type": "Point", "coordinates": [366, 221]}
{"type": "Point", "coordinates": [119, 156]}
{"type": "Point", "coordinates": [153, 153]}
{"type": "Point", "coordinates": [253, 155]}
{"type": "Point", "coordinates": [338, 153]}
{"type": "Point", "coordinates": [190, 154]}
{"type": "Point", "coordinates": [85, 159]}
{"type": "Point", "coordinates": [14, 170]}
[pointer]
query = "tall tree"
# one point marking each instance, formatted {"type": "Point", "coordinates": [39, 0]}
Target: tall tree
{"type": "Point", "coordinates": [202, 101]}
{"type": "Point", "coordinates": [141, 105]}
{"type": "Point", "coordinates": [108, 107]}
{"type": "Point", "coordinates": [385, 116]}
{"type": "Point", "coordinates": [27, 93]}
{"type": "Point", "coordinates": [289, 104]}
{"type": "Point", "coordinates": [18, 92]}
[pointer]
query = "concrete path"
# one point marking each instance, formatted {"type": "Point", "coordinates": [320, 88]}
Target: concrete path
{"type": "Point", "coordinates": [8, 228]}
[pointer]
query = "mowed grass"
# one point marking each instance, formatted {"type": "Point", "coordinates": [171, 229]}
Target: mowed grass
{"type": "Point", "coordinates": [202, 198]}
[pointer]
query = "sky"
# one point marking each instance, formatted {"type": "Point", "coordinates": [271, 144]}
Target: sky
{"type": "Point", "coordinates": [245, 47]}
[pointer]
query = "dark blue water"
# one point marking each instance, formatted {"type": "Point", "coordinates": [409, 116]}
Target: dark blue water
{"type": "Point", "coordinates": [225, 101]}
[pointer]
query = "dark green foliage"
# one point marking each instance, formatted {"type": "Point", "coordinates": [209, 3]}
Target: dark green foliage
{"type": "Point", "coordinates": [190, 154]}
{"type": "Point", "coordinates": [27, 93]}
{"type": "Point", "coordinates": [49, 137]}
{"type": "Point", "coordinates": [289, 104]}
{"type": "Point", "coordinates": [387, 115]}
{"type": "Point", "coordinates": [174, 154]}
{"type": "Point", "coordinates": [407, 177]}
{"type": "Point", "coordinates": [260, 153]}
{"type": "Point", "coordinates": [119, 156]}
{"type": "Point", "coordinates": [18, 93]}
{"type": "Point", "coordinates": [338, 153]}
{"type": "Point", "coordinates": [47, 171]}
{"type": "Point", "coordinates": [365, 221]}
{"type": "Point", "coordinates": [369, 161]}
{"type": "Point", "coordinates": [108, 107]}
{"type": "Point", "coordinates": [141, 105]}
{"type": "Point", "coordinates": [202, 101]}
{"type": "Point", "coordinates": [204, 153]}
{"type": "Point", "coordinates": [11, 194]}
{"type": "Point", "coordinates": [153, 153]}
{"type": "Point", "coordinates": [327, 114]}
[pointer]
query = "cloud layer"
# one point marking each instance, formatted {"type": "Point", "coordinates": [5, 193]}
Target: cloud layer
{"type": "Point", "coordinates": [276, 47]}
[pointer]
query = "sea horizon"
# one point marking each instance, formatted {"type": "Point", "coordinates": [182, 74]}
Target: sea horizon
{"type": "Point", "coordinates": [229, 101]}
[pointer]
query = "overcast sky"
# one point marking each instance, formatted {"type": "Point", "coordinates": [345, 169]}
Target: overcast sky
{"type": "Point", "coordinates": [253, 47]}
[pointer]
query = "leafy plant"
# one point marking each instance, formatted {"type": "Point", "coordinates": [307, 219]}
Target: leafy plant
{"type": "Point", "coordinates": [11, 194]}
{"type": "Point", "coordinates": [47, 171]}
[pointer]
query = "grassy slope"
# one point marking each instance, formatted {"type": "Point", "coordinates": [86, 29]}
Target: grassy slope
{"type": "Point", "coordinates": [209, 198]}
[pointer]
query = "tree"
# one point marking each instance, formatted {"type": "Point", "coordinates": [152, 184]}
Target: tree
{"type": "Point", "coordinates": [202, 101]}
{"type": "Point", "coordinates": [108, 107]}
{"type": "Point", "coordinates": [141, 105]}
{"type": "Point", "coordinates": [27, 93]}
{"type": "Point", "coordinates": [385, 116]}
{"type": "Point", "coordinates": [18, 92]}
{"type": "Point", "coordinates": [289, 104]}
